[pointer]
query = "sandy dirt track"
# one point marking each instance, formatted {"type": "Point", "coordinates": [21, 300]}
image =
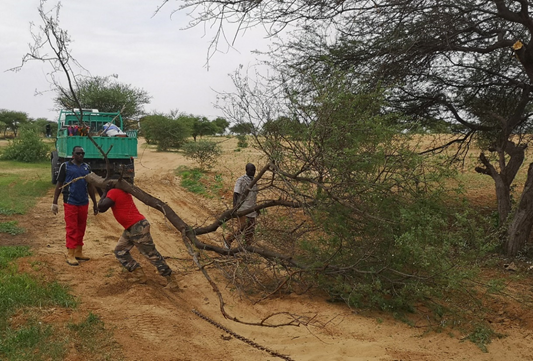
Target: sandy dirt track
{"type": "Point", "coordinates": [151, 323]}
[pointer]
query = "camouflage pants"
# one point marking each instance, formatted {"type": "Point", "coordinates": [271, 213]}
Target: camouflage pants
{"type": "Point", "coordinates": [245, 232]}
{"type": "Point", "coordinates": [139, 236]}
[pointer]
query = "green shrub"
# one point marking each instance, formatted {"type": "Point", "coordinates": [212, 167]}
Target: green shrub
{"type": "Point", "coordinates": [204, 152]}
{"type": "Point", "coordinates": [165, 132]}
{"type": "Point", "coordinates": [241, 141]}
{"type": "Point", "coordinates": [28, 147]}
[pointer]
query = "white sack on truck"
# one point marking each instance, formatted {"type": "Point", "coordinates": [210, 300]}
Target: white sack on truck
{"type": "Point", "coordinates": [111, 130]}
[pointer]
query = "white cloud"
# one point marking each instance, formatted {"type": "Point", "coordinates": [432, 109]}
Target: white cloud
{"type": "Point", "coordinates": [121, 37]}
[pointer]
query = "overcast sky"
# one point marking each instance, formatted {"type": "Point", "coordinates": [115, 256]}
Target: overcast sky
{"type": "Point", "coordinates": [122, 37]}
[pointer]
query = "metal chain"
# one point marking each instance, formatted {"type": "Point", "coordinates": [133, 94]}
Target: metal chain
{"type": "Point", "coordinates": [242, 338]}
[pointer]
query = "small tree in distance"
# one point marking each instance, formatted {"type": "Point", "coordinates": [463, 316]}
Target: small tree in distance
{"type": "Point", "coordinates": [204, 152]}
{"type": "Point", "coordinates": [28, 147]}
{"type": "Point", "coordinates": [201, 126]}
{"type": "Point", "coordinates": [221, 124]}
{"type": "Point", "coordinates": [13, 120]}
{"type": "Point", "coordinates": [165, 132]}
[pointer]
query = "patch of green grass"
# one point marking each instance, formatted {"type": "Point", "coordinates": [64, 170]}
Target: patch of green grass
{"type": "Point", "coordinates": [93, 338]}
{"type": "Point", "coordinates": [23, 290]}
{"type": "Point", "coordinates": [8, 254]}
{"type": "Point", "coordinates": [28, 297]}
{"type": "Point", "coordinates": [482, 336]}
{"type": "Point", "coordinates": [33, 341]}
{"type": "Point", "coordinates": [11, 228]}
{"type": "Point", "coordinates": [197, 181]}
{"type": "Point", "coordinates": [21, 184]}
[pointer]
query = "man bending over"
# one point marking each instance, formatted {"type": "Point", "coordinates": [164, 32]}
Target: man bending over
{"type": "Point", "coordinates": [136, 233]}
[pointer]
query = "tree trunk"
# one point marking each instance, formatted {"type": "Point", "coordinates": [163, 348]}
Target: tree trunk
{"type": "Point", "coordinates": [503, 197]}
{"type": "Point", "coordinates": [505, 177]}
{"type": "Point", "coordinates": [503, 188]}
{"type": "Point", "coordinates": [520, 228]}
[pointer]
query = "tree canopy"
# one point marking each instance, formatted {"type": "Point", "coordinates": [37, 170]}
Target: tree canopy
{"type": "Point", "coordinates": [465, 67]}
{"type": "Point", "coordinates": [106, 95]}
{"type": "Point", "coordinates": [12, 120]}
{"type": "Point", "coordinates": [165, 131]}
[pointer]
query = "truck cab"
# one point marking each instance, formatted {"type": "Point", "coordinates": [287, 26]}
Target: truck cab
{"type": "Point", "coordinates": [74, 128]}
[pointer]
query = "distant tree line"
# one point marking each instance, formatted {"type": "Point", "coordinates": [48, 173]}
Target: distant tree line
{"type": "Point", "coordinates": [12, 121]}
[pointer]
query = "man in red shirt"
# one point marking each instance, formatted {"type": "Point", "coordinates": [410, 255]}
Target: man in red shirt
{"type": "Point", "coordinates": [136, 233]}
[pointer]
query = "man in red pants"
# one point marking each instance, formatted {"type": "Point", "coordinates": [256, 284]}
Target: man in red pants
{"type": "Point", "coordinates": [75, 202]}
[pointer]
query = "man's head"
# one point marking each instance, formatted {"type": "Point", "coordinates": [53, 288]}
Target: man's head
{"type": "Point", "coordinates": [250, 170]}
{"type": "Point", "coordinates": [77, 154]}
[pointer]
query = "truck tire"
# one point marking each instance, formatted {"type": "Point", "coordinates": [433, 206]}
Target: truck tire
{"type": "Point", "coordinates": [54, 164]}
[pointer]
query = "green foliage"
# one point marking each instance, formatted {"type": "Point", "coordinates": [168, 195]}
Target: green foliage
{"type": "Point", "coordinates": [242, 128]}
{"type": "Point", "coordinates": [12, 120]}
{"type": "Point", "coordinates": [23, 294]}
{"type": "Point", "coordinates": [414, 250]}
{"type": "Point", "coordinates": [201, 126]}
{"type": "Point", "coordinates": [221, 125]}
{"type": "Point", "coordinates": [205, 153]}
{"type": "Point", "coordinates": [7, 254]}
{"type": "Point", "coordinates": [241, 141]}
{"type": "Point", "coordinates": [197, 181]}
{"type": "Point", "coordinates": [106, 95]}
{"type": "Point", "coordinates": [165, 132]}
{"type": "Point", "coordinates": [28, 147]}
{"type": "Point", "coordinates": [481, 336]}
{"type": "Point", "coordinates": [22, 290]}
{"type": "Point", "coordinates": [284, 127]}
{"type": "Point", "coordinates": [386, 230]}
{"type": "Point", "coordinates": [22, 185]}
{"type": "Point", "coordinates": [11, 228]}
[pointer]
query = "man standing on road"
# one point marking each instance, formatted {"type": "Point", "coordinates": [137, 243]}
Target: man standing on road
{"type": "Point", "coordinates": [48, 130]}
{"type": "Point", "coordinates": [75, 202]}
{"type": "Point", "coordinates": [136, 233]}
{"type": "Point", "coordinates": [247, 222]}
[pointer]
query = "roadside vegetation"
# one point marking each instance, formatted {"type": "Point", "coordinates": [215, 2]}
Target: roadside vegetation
{"type": "Point", "coordinates": [200, 181]}
{"type": "Point", "coordinates": [27, 147]}
{"type": "Point", "coordinates": [25, 299]}
{"type": "Point", "coordinates": [428, 246]}
{"type": "Point", "coordinates": [21, 184]}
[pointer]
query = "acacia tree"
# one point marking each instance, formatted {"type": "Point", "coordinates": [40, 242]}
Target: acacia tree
{"type": "Point", "coordinates": [12, 120]}
{"type": "Point", "coordinates": [373, 221]}
{"type": "Point", "coordinates": [221, 125]}
{"type": "Point", "coordinates": [461, 63]}
{"type": "Point", "coordinates": [106, 95]}
{"type": "Point", "coordinates": [201, 126]}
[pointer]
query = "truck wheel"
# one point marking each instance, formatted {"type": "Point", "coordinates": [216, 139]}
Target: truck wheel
{"type": "Point", "coordinates": [54, 160]}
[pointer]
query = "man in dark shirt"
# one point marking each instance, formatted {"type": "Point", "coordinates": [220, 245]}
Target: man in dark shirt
{"type": "Point", "coordinates": [136, 233]}
{"type": "Point", "coordinates": [75, 202]}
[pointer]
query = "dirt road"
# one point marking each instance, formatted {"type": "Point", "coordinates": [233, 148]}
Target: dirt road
{"type": "Point", "coordinates": [151, 323]}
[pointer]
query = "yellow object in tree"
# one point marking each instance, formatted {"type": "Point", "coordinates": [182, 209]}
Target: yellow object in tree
{"type": "Point", "coordinates": [518, 45]}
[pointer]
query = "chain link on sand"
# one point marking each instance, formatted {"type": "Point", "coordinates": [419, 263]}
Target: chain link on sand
{"type": "Point", "coordinates": [242, 338]}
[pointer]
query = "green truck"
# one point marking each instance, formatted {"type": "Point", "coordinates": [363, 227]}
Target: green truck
{"type": "Point", "coordinates": [107, 129]}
